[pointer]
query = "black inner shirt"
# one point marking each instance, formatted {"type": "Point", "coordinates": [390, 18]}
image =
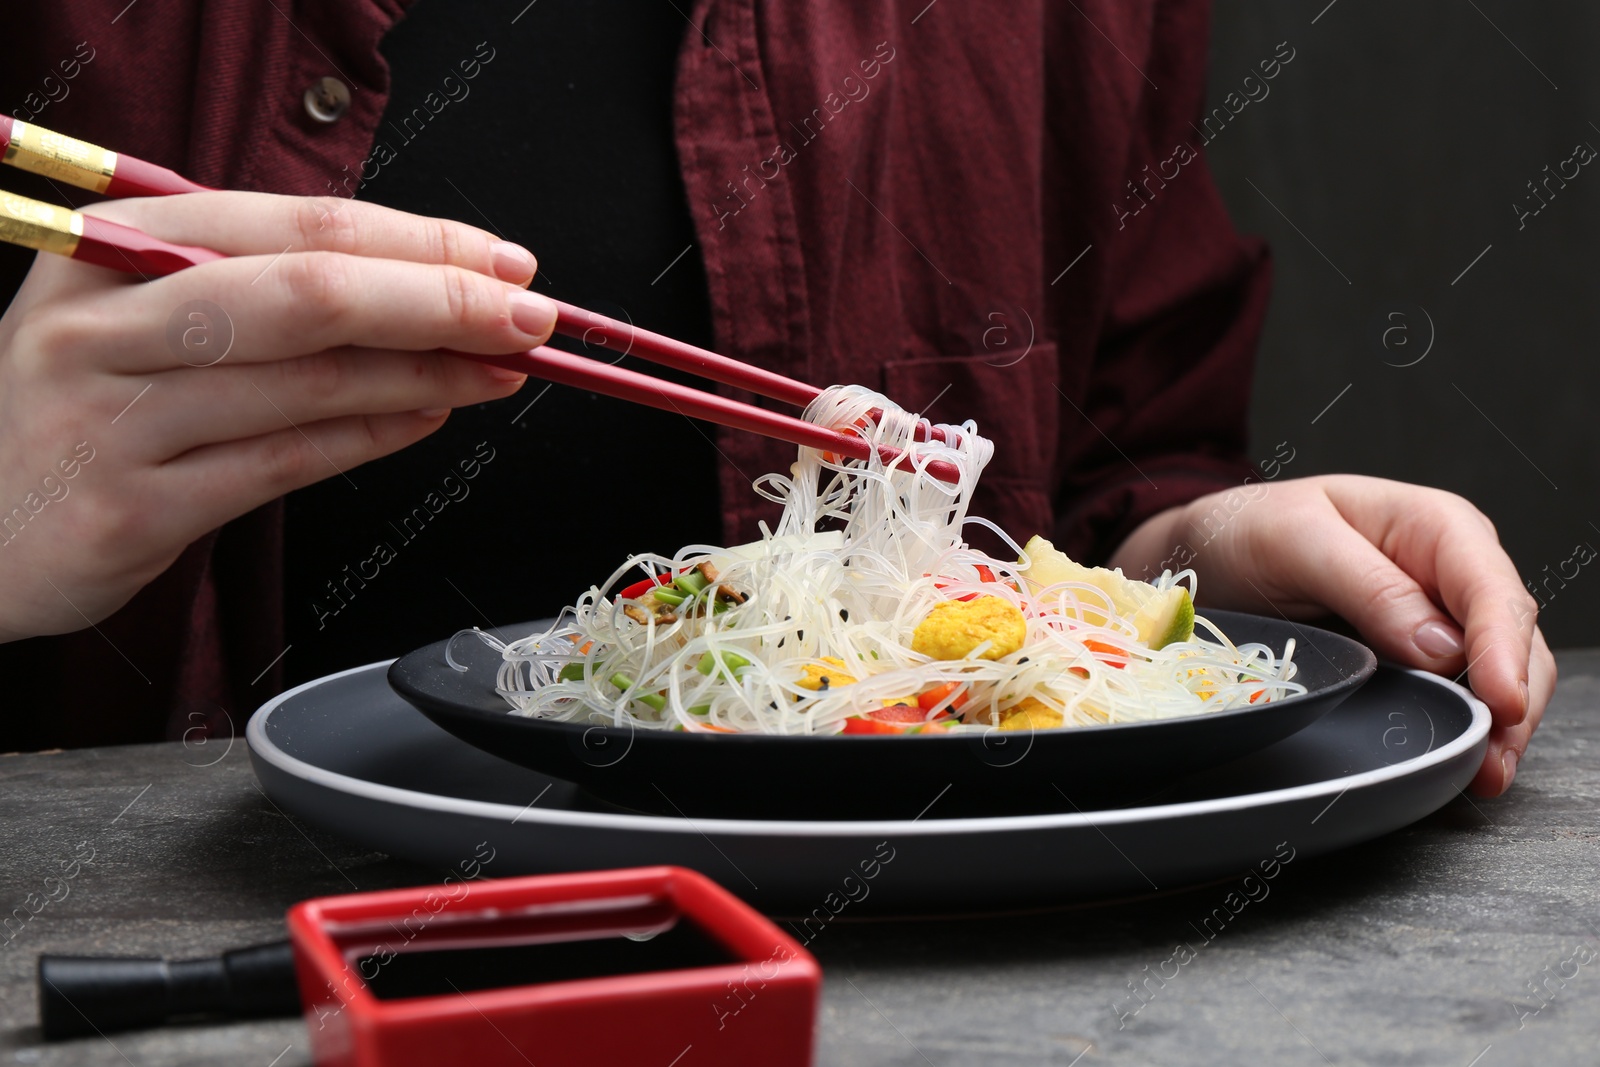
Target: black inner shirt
{"type": "Point", "coordinates": [561, 142]}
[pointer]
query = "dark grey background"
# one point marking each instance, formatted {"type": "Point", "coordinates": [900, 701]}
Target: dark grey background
{"type": "Point", "coordinates": [1392, 149]}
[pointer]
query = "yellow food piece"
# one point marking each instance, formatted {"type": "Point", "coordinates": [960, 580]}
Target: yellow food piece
{"type": "Point", "coordinates": [955, 627]}
{"type": "Point", "coordinates": [1094, 712]}
{"type": "Point", "coordinates": [984, 716]}
{"type": "Point", "coordinates": [899, 702]}
{"type": "Point", "coordinates": [819, 679]}
{"type": "Point", "coordinates": [1160, 616]}
{"type": "Point", "coordinates": [1031, 714]}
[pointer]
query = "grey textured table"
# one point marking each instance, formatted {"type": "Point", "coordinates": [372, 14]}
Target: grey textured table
{"type": "Point", "coordinates": [1472, 937]}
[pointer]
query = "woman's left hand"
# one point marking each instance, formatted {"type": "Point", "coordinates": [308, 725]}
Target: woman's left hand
{"type": "Point", "coordinates": [1418, 571]}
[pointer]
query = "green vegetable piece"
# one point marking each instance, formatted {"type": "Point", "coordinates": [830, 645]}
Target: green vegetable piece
{"type": "Point", "coordinates": [691, 582]}
{"type": "Point", "coordinates": [653, 700]}
{"type": "Point", "coordinates": [572, 672]}
{"type": "Point", "coordinates": [700, 709]}
{"type": "Point", "coordinates": [667, 596]}
{"type": "Point", "coordinates": [731, 661]}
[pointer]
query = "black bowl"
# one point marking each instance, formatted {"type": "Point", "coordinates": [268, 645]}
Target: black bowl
{"type": "Point", "coordinates": [879, 777]}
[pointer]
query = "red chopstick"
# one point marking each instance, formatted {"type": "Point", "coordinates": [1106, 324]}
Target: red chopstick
{"type": "Point", "coordinates": [86, 165]}
{"type": "Point", "coordinates": [603, 332]}
{"type": "Point", "coordinates": [564, 368]}
{"type": "Point", "coordinates": [49, 228]}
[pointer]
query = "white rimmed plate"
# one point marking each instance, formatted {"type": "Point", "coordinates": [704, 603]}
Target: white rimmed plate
{"type": "Point", "coordinates": [346, 754]}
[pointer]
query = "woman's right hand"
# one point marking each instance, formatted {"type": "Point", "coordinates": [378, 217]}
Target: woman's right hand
{"type": "Point", "coordinates": [126, 433]}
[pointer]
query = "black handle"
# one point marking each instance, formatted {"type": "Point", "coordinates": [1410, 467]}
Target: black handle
{"type": "Point", "coordinates": [81, 995]}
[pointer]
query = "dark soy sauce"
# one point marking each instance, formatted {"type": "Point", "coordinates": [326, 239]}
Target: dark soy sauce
{"type": "Point", "coordinates": [421, 972]}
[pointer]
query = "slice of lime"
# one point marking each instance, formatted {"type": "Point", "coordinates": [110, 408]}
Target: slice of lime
{"type": "Point", "coordinates": [1159, 616]}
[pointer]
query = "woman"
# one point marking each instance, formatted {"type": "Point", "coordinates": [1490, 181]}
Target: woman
{"type": "Point", "coordinates": [988, 212]}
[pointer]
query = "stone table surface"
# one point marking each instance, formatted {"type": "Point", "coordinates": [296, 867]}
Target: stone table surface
{"type": "Point", "coordinates": [1469, 938]}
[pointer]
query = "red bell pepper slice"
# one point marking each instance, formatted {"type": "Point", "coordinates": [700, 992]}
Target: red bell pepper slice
{"type": "Point", "coordinates": [858, 725]}
{"type": "Point", "coordinates": [896, 719]}
{"type": "Point", "coordinates": [899, 713]}
{"type": "Point", "coordinates": [640, 588]}
{"type": "Point", "coordinates": [940, 697]}
{"type": "Point", "coordinates": [1103, 650]}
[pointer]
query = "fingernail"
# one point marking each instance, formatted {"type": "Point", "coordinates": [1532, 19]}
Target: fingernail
{"type": "Point", "coordinates": [1522, 691]}
{"type": "Point", "coordinates": [433, 413]}
{"type": "Point", "coordinates": [1436, 639]}
{"type": "Point", "coordinates": [1508, 765]}
{"type": "Point", "coordinates": [504, 374]}
{"type": "Point", "coordinates": [512, 263]}
{"type": "Point", "coordinates": [533, 314]}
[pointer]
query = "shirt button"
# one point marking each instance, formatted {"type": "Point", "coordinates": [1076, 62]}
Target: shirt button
{"type": "Point", "coordinates": [327, 100]}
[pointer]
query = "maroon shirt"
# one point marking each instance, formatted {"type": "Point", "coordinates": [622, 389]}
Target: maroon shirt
{"type": "Point", "coordinates": [991, 212]}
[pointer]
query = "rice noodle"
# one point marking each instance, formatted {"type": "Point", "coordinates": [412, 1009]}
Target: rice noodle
{"type": "Point", "coordinates": [807, 598]}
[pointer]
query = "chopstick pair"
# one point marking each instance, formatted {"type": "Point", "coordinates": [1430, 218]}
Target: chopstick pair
{"type": "Point", "coordinates": [48, 228]}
